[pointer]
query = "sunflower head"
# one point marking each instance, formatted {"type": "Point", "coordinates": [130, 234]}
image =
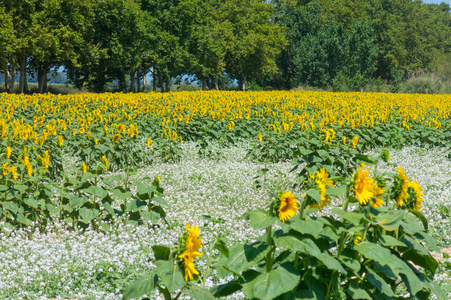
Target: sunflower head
{"type": "Point", "coordinates": [14, 173]}
{"type": "Point", "coordinates": [189, 245]}
{"type": "Point", "coordinates": [399, 188]}
{"type": "Point", "coordinates": [116, 138]}
{"type": "Point", "coordinates": [414, 196]}
{"type": "Point", "coordinates": [355, 141]}
{"type": "Point", "coordinates": [362, 185]}
{"type": "Point", "coordinates": [286, 206]}
{"type": "Point", "coordinates": [8, 152]}
{"type": "Point", "coordinates": [320, 181]}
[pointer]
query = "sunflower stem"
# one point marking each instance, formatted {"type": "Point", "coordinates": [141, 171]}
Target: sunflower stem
{"type": "Point", "coordinates": [207, 270]}
{"type": "Point", "coordinates": [269, 255]}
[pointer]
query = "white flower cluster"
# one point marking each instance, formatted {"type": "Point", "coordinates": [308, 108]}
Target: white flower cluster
{"type": "Point", "coordinates": [59, 263]}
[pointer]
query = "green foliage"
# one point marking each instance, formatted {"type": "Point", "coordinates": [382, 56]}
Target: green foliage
{"type": "Point", "coordinates": [377, 251]}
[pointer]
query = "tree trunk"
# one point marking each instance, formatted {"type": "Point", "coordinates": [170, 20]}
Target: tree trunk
{"type": "Point", "coordinates": [23, 73]}
{"type": "Point", "coordinates": [138, 81]}
{"type": "Point", "coordinates": [132, 81]}
{"type": "Point", "coordinates": [204, 83]}
{"type": "Point", "coordinates": [144, 82]}
{"type": "Point", "coordinates": [12, 81]}
{"type": "Point", "coordinates": [6, 70]}
{"type": "Point", "coordinates": [243, 83]}
{"type": "Point", "coordinates": [154, 75]}
{"type": "Point", "coordinates": [216, 82]}
{"type": "Point", "coordinates": [42, 79]}
{"type": "Point", "coordinates": [122, 83]}
{"type": "Point", "coordinates": [160, 81]}
{"type": "Point", "coordinates": [223, 82]}
{"type": "Point", "coordinates": [167, 83]}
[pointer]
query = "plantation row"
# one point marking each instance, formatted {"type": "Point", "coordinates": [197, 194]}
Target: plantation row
{"type": "Point", "coordinates": [379, 233]}
{"type": "Point", "coordinates": [108, 127]}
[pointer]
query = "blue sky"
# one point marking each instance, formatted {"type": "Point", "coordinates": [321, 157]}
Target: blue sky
{"type": "Point", "coordinates": [437, 1]}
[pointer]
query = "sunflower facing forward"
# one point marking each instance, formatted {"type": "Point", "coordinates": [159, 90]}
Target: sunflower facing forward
{"type": "Point", "coordinates": [287, 206]}
{"type": "Point", "coordinates": [189, 250]}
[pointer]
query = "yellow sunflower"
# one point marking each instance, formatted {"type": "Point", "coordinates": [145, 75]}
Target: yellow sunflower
{"type": "Point", "coordinates": [190, 245]}
{"type": "Point", "coordinates": [414, 196]}
{"type": "Point", "coordinates": [400, 187]}
{"type": "Point", "coordinates": [363, 185]}
{"type": "Point", "coordinates": [116, 138]}
{"type": "Point", "coordinates": [8, 152]}
{"type": "Point", "coordinates": [376, 200]}
{"type": "Point", "coordinates": [322, 181]}
{"type": "Point", "coordinates": [288, 206]}
{"type": "Point", "coordinates": [5, 169]}
{"type": "Point", "coordinates": [14, 173]}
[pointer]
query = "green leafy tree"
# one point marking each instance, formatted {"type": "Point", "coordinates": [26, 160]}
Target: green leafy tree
{"type": "Point", "coordinates": [7, 42]}
{"type": "Point", "coordinates": [112, 45]}
{"type": "Point", "coordinates": [257, 40]}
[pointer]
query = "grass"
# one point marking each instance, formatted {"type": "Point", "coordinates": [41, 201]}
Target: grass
{"type": "Point", "coordinates": [65, 264]}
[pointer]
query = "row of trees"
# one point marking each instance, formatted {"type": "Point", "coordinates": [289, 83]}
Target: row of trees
{"type": "Point", "coordinates": [281, 43]}
{"type": "Point", "coordinates": [98, 41]}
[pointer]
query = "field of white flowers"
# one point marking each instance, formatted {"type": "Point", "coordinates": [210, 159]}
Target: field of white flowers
{"type": "Point", "coordinates": [212, 192]}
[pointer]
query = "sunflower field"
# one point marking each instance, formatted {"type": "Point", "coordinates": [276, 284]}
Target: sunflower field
{"type": "Point", "coordinates": [311, 189]}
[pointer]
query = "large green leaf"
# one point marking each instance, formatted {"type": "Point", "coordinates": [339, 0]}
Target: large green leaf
{"type": "Point", "coordinates": [143, 286]}
{"type": "Point", "coordinates": [331, 263]}
{"type": "Point", "coordinates": [357, 293]}
{"type": "Point", "coordinates": [304, 245]}
{"type": "Point", "coordinates": [11, 206]}
{"type": "Point", "coordinates": [226, 289]}
{"type": "Point", "coordinates": [374, 252]}
{"type": "Point", "coordinates": [241, 257]}
{"type": "Point", "coordinates": [96, 191]}
{"type": "Point", "coordinates": [135, 205]}
{"type": "Point", "coordinates": [170, 274]}
{"type": "Point", "coordinates": [76, 201]}
{"type": "Point", "coordinates": [88, 214]}
{"type": "Point", "coordinates": [423, 260]}
{"type": "Point", "coordinates": [199, 293]}
{"type": "Point", "coordinates": [161, 252]}
{"type": "Point", "coordinates": [21, 218]}
{"type": "Point", "coordinates": [413, 244]}
{"type": "Point", "coordinates": [274, 283]}
{"type": "Point", "coordinates": [379, 283]}
{"type": "Point", "coordinates": [314, 193]}
{"type": "Point", "coordinates": [122, 193]}
{"type": "Point", "coordinates": [353, 217]}
{"type": "Point", "coordinates": [311, 226]}
{"type": "Point", "coordinates": [160, 200]}
{"type": "Point", "coordinates": [32, 202]}
{"type": "Point", "coordinates": [391, 222]}
{"type": "Point", "coordinates": [260, 220]}
{"type": "Point", "coordinates": [389, 241]}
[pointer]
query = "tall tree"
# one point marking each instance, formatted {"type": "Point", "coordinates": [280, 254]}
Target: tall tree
{"type": "Point", "coordinates": [7, 45]}
{"type": "Point", "coordinates": [257, 40]}
{"type": "Point", "coordinates": [112, 45]}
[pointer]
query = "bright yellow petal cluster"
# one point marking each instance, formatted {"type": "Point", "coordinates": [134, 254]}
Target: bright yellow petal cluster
{"type": "Point", "coordinates": [363, 185]}
{"type": "Point", "coordinates": [322, 181]}
{"type": "Point", "coordinates": [288, 206]}
{"type": "Point", "coordinates": [192, 245]}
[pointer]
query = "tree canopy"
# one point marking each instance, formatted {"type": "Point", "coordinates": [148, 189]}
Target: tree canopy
{"type": "Point", "coordinates": [281, 43]}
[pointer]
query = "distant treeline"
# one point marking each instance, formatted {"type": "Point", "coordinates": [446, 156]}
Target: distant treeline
{"type": "Point", "coordinates": [283, 44]}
